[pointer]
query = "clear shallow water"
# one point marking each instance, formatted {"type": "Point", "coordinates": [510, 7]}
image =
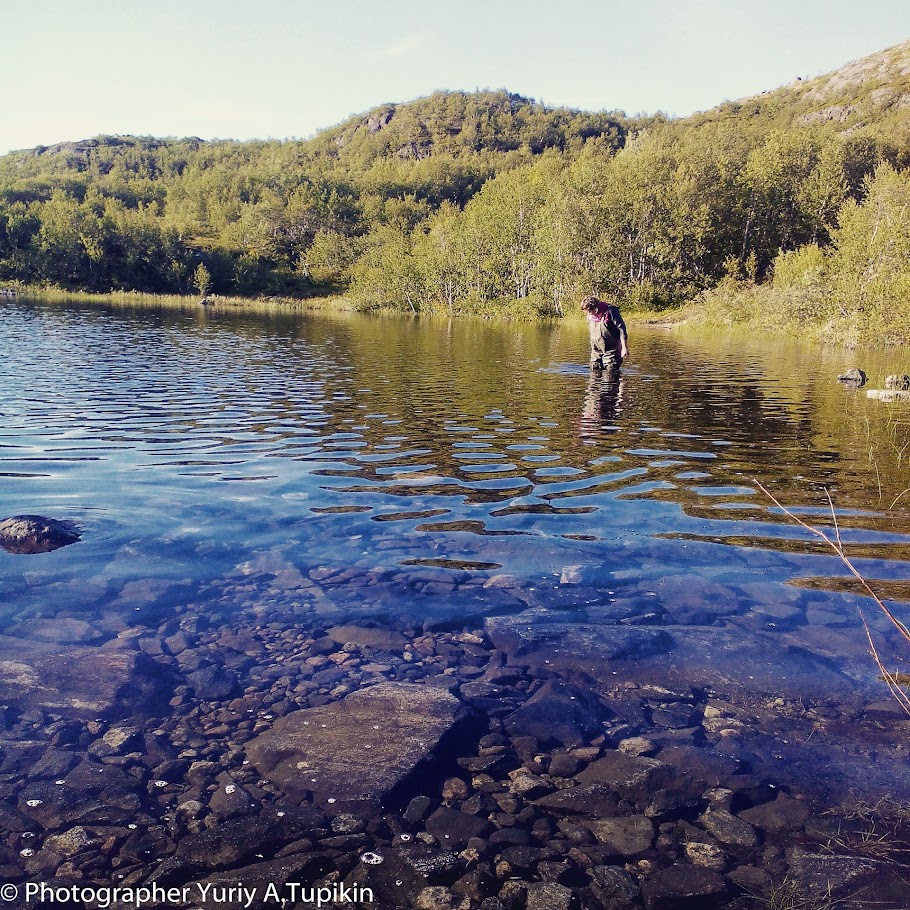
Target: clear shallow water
{"type": "Point", "coordinates": [388, 469]}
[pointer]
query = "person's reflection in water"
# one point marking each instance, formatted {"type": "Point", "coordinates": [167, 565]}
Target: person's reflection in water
{"type": "Point", "coordinates": [602, 404]}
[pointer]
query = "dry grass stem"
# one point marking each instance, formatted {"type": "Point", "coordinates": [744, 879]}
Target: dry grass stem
{"type": "Point", "coordinates": [890, 679]}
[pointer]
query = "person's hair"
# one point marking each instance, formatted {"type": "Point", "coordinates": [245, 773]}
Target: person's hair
{"type": "Point", "coordinates": [590, 302]}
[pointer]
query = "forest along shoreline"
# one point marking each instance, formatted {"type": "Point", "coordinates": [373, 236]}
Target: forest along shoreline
{"type": "Point", "coordinates": [788, 208]}
{"type": "Point", "coordinates": [522, 764]}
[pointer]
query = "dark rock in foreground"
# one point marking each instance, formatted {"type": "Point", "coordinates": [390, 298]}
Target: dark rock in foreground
{"type": "Point", "coordinates": [362, 747]}
{"type": "Point", "coordinates": [27, 534]}
{"type": "Point", "coordinates": [684, 888]}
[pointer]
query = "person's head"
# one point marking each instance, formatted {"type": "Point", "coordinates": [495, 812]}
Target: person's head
{"type": "Point", "coordinates": [590, 304]}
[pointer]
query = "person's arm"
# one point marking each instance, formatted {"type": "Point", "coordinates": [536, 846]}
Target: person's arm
{"type": "Point", "coordinates": [623, 336]}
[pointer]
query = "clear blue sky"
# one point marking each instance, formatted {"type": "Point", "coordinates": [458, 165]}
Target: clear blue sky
{"type": "Point", "coordinates": [71, 69]}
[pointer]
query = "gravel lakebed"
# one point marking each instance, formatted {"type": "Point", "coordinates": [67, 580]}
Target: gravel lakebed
{"type": "Point", "coordinates": [513, 762]}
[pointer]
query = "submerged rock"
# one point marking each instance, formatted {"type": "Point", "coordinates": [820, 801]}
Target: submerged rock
{"type": "Point", "coordinates": [28, 534]}
{"type": "Point", "coordinates": [573, 645]}
{"type": "Point", "coordinates": [631, 776]}
{"type": "Point", "coordinates": [625, 836]}
{"type": "Point", "coordinates": [825, 876]}
{"type": "Point", "coordinates": [684, 886]}
{"type": "Point", "coordinates": [79, 681]}
{"type": "Point", "coordinates": [63, 630]}
{"type": "Point", "coordinates": [614, 887]}
{"type": "Point", "coordinates": [559, 713]}
{"type": "Point", "coordinates": [548, 896]}
{"type": "Point", "coordinates": [362, 747]}
{"type": "Point", "coordinates": [729, 829]}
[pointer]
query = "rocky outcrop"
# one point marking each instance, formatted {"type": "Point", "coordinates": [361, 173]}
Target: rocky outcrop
{"type": "Point", "coordinates": [35, 534]}
{"type": "Point", "coordinates": [377, 121]}
{"type": "Point", "coordinates": [362, 747]}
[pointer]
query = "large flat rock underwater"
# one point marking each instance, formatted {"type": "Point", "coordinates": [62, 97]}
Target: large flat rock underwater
{"type": "Point", "coordinates": [362, 747]}
{"type": "Point", "coordinates": [78, 681]}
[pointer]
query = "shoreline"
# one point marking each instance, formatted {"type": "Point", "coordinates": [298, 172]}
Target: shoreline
{"type": "Point", "coordinates": [695, 315]}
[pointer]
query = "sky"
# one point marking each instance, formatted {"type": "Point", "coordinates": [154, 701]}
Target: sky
{"type": "Point", "coordinates": [242, 69]}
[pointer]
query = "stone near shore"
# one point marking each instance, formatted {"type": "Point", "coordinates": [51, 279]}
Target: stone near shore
{"type": "Point", "coordinates": [630, 776]}
{"type": "Point", "coordinates": [362, 747]}
{"type": "Point", "coordinates": [824, 876]}
{"type": "Point", "coordinates": [684, 887]}
{"type": "Point", "coordinates": [559, 713]}
{"type": "Point", "coordinates": [888, 394]}
{"type": "Point", "coordinates": [626, 836]}
{"type": "Point", "coordinates": [729, 829]}
{"type": "Point", "coordinates": [63, 630]}
{"type": "Point", "coordinates": [854, 376]}
{"type": "Point", "coordinates": [574, 645]}
{"type": "Point", "coordinates": [29, 534]}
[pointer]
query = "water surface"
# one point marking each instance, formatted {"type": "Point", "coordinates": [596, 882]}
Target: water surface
{"type": "Point", "coordinates": [229, 460]}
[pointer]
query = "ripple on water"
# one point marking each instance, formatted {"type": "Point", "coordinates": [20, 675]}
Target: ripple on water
{"type": "Point", "coordinates": [270, 436]}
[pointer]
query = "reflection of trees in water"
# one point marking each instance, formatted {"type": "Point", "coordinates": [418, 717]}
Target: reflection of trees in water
{"type": "Point", "coordinates": [602, 403]}
{"type": "Point", "coordinates": [378, 394]}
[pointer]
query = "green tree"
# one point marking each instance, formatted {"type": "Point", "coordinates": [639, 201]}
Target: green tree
{"type": "Point", "coordinates": [202, 279]}
{"type": "Point", "coordinates": [870, 265]}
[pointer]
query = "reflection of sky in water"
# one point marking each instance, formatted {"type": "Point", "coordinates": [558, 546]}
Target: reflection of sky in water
{"type": "Point", "coordinates": [220, 459]}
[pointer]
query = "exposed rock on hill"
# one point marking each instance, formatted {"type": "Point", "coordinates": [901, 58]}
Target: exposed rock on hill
{"type": "Point", "coordinates": [863, 91]}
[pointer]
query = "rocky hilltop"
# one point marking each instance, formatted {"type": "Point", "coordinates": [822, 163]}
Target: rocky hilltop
{"type": "Point", "coordinates": [869, 91]}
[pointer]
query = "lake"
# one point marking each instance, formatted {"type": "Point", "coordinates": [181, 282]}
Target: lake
{"type": "Point", "coordinates": [273, 478]}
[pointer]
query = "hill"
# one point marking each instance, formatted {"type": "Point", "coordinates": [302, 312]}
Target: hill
{"type": "Point", "coordinates": [471, 201]}
{"type": "Point", "coordinates": [463, 124]}
{"type": "Point", "coordinates": [869, 91]}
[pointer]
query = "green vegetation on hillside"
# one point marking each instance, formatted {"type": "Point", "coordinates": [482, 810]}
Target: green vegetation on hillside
{"type": "Point", "coordinates": [789, 208]}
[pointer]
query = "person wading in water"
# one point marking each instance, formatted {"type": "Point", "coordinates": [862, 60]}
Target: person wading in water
{"type": "Point", "coordinates": [609, 339]}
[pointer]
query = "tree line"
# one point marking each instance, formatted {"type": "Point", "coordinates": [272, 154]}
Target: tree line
{"type": "Point", "coordinates": [479, 202]}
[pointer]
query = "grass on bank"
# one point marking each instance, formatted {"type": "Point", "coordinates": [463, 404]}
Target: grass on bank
{"type": "Point", "coordinates": [805, 312]}
{"type": "Point", "coordinates": [526, 310]}
{"type": "Point", "coordinates": [141, 299]}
